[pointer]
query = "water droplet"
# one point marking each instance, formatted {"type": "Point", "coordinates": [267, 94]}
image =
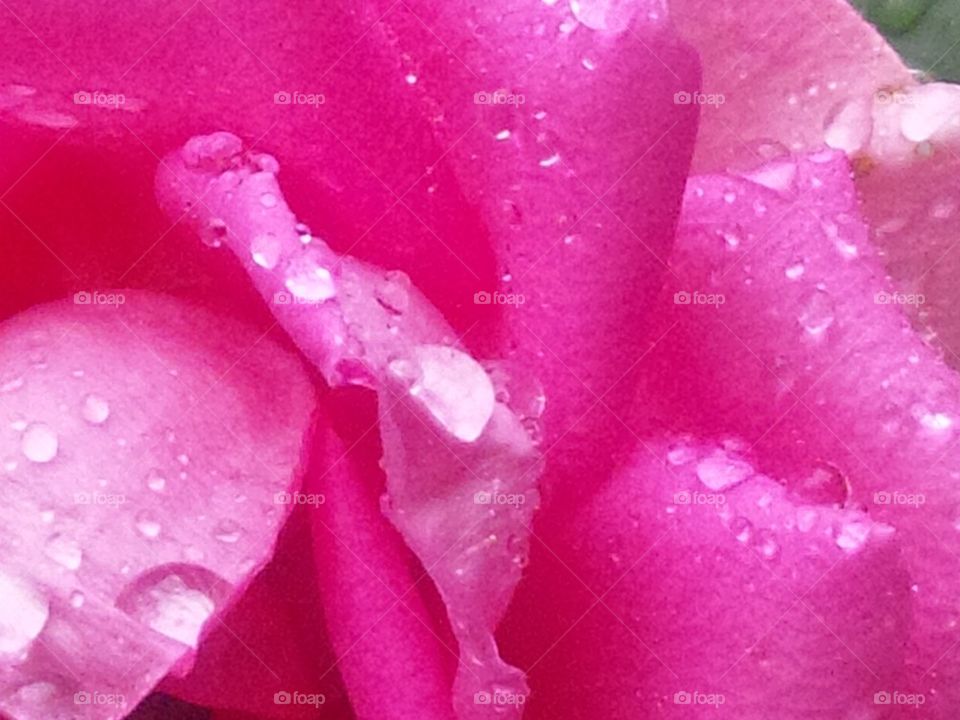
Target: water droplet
{"type": "Point", "coordinates": [147, 525]}
{"type": "Point", "coordinates": [742, 529]}
{"type": "Point", "coordinates": [265, 250]}
{"type": "Point", "coordinates": [410, 78]}
{"type": "Point", "coordinates": [606, 15]}
{"type": "Point", "coordinates": [39, 443]}
{"type": "Point", "coordinates": [588, 64]}
{"type": "Point", "coordinates": [214, 233]}
{"type": "Point", "coordinates": [174, 600]}
{"type": "Point", "coordinates": [77, 599]}
{"type": "Point", "coordinates": [825, 485]}
{"type": "Point", "coordinates": [550, 161]}
{"type": "Point", "coordinates": [932, 107]}
{"type": "Point", "coordinates": [228, 531]}
{"type": "Point", "coordinates": [503, 135]}
{"type": "Point", "coordinates": [156, 481]}
{"type": "Point", "coordinates": [64, 550]}
{"type": "Point", "coordinates": [943, 208]}
{"type": "Point", "coordinates": [268, 200]}
{"type": "Point", "coordinates": [848, 125]}
{"type": "Point", "coordinates": [817, 313]}
{"type": "Point", "coordinates": [681, 455]}
{"type": "Point", "coordinates": [394, 292]}
{"type": "Point", "coordinates": [719, 471]}
{"type": "Point", "coordinates": [23, 614]}
{"type": "Point", "coordinates": [806, 518]}
{"type": "Point", "coordinates": [853, 535]}
{"type": "Point", "coordinates": [308, 280]}
{"type": "Point", "coordinates": [454, 389]}
{"type": "Point", "coordinates": [795, 271]}
{"type": "Point", "coordinates": [729, 197]}
{"type": "Point", "coordinates": [96, 410]}
{"type": "Point", "coordinates": [303, 231]}
{"type": "Point", "coordinates": [767, 545]}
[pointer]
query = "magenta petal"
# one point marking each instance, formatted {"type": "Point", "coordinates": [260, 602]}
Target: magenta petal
{"type": "Point", "coordinates": [567, 136]}
{"type": "Point", "coordinates": [785, 333]}
{"type": "Point", "coordinates": [691, 586]}
{"type": "Point", "coordinates": [379, 625]}
{"type": "Point", "coordinates": [139, 489]}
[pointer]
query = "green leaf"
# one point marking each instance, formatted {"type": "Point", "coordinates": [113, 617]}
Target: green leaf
{"type": "Point", "coordinates": [926, 33]}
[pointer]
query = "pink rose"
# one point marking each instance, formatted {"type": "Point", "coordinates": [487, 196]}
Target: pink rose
{"type": "Point", "coordinates": [435, 360]}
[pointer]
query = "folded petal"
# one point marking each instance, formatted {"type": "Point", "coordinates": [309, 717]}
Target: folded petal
{"type": "Point", "coordinates": [785, 333]}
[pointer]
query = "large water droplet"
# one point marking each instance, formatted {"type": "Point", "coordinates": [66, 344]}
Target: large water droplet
{"type": "Point", "coordinates": [174, 600]}
{"type": "Point", "coordinates": [64, 550]}
{"type": "Point", "coordinates": [719, 470]}
{"type": "Point", "coordinates": [265, 250]}
{"type": "Point", "coordinates": [96, 410]}
{"type": "Point", "coordinates": [39, 443]}
{"type": "Point", "coordinates": [817, 311]}
{"type": "Point", "coordinates": [848, 125]}
{"type": "Point", "coordinates": [454, 389]}
{"type": "Point", "coordinates": [308, 280]}
{"type": "Point", "coordinates": [147, 525]}
{"type": "Point", "coordinates": [23, 614]}
{"type": "Point", "coordinates": [932, 107]}
{"type": "Point", "coordinates": [606, 15]}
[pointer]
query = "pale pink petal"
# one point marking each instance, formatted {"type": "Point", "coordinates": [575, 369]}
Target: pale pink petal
{"type": "Point", "coordinates": [144, 439]}
{"type": "Point", "coordinates": [447, 434]}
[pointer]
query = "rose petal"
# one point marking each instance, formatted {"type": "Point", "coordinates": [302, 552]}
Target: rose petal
{"type": "Point", "coordinates": [139, 487]}
{"type": "Point", "coordinates": [783, 332]}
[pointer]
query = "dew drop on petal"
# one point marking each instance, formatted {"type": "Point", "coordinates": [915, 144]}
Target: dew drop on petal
{"type": "Point", "coordinates": [852, 536]}
{"type": "Point", "coordinates": [719, 471]}
{"type": "Point", "coordinates": [817, 311]}
{"type": "Point", "coordinates": [64, 551]}
{"type": "Point", "coordinates": [39, 443]}
{"type": "Point", "coordinates": [147, 525]}
{"type": "Point", "coordinates": [96, 410]}
{"type": "Point", "coordinates": [265, 250]}
{"type": "Point", "coordinates": [23, 614]}
{"type": "Point", "coordinates": [77, 599]}
{"type": "Point", "coordinates": [155, 481]}
{"type": "Point", "coordinates": [175, 601]}
{"type": "Point", "coordinates": [308, 280]}
{"type": "Point", "coordinates": [227, 531]}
